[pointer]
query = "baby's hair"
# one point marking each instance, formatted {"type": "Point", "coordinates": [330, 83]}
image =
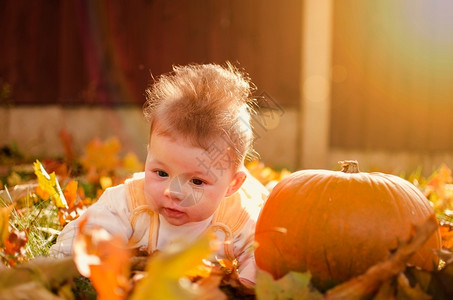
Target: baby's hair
{"type": "Point", "coordinates": [204, 103]}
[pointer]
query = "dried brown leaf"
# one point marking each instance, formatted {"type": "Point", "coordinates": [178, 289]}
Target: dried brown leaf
{"type": "Point", "coordinates": [366, 285]}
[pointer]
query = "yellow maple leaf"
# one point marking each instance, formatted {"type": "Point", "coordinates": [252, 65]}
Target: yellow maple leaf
{"type": "Point", "coordinates": [49, 183]}
{"type": "Point", "coordinates": [5, 212]}
{"type": "Point", "coordinates": [105, 182]}
{"type": "Point", "coordinates": [294, 285]}
{"type": "Point", "coordinates": [131, 163]}
{"type": "Point", "coordinates": [166, 271]}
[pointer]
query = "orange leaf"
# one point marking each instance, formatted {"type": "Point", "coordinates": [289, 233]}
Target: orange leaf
{"type": "Point", "coordinates": [103, 156]}
{"type": "Point", "coordinates": [5, 213]}
{"type": "Point", "coordinates": [70, 193]}
{"type": "Point", "coordinates": [104, 259]}
{"type": "Point", "coordinates": [440, 178]}
{"type": "Point", "coordinates": [43, 194]}
{"type": "Point", "coordinates": [16, 242]}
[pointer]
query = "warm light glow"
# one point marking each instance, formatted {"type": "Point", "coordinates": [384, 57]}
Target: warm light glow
{"type": "Point", "coordinates": [316, 88]}
{"type": "Point", "coordinates": [392, 74]}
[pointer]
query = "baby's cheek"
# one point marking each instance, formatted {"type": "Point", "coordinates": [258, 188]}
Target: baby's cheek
{"type": "Point", "coordinates": [212, 203]}
{"type": "Point", "coordinates": [201, 211]}
{"type": "Point", "coordinates": [151, 196]}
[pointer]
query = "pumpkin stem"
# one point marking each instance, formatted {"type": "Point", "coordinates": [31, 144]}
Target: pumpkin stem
{"type": "Point", "coordinates": [349, 166]}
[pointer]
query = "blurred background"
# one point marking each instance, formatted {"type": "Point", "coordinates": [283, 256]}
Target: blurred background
{"type": "Point", "coordinates": [350, 79]}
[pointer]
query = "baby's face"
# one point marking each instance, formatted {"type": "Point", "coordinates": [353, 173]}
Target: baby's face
{"type": "Point", "coordinates": [185, 183]}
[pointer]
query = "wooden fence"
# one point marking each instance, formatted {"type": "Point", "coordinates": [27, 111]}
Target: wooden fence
{"type": "Point", "coordinates": [102, 52]}
{"type": "Point", "coordinates": [391, 63]}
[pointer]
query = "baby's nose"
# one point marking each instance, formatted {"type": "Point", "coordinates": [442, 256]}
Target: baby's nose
{"type": "Point", "coordinates": [175, 195]}
{"type": "Point", "coordinates": [175, 189]}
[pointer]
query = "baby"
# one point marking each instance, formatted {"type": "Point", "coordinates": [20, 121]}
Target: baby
{"type": "Point", "coordinates": [194, 177]}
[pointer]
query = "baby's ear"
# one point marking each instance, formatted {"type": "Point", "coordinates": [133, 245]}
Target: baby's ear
{"type": "Point", "coordinates": [236, 183]}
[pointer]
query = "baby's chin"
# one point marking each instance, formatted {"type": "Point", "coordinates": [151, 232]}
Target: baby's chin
{"type": "Point", "coordinates": [175, 222]}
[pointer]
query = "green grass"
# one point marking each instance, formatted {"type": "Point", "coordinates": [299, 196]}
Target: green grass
{"type": "Point", "coordinates": [37, 218]}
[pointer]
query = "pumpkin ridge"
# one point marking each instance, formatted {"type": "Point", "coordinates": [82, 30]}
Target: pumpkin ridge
{"type": "Point", "coordinates": [402, 193]}
{"type": "Point", "coordinates": [306, 223]}
{"type": "Point", "coordinates": [326, 258]}
{"type": "Point", "coordinates": [322, 186]}
{"type": "Point", "coordinates": [382, 184]}
{"type": "Point", "coordinates": [419, 207]}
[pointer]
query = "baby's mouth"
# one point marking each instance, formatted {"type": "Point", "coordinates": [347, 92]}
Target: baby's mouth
{"type": "Point", "coordinates": [173, 212]}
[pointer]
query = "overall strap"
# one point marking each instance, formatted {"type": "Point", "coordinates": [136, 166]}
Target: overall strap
{"type": "Point", "coordinates": [229, 218]}
{"type": "Point", "coordinates": [142, 216]}
{"type": "Point", "coordinates": [234, 211]}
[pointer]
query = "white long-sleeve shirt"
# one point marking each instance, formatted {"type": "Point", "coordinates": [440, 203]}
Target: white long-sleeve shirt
{"type": "Point", "coordinates": [113, 213]}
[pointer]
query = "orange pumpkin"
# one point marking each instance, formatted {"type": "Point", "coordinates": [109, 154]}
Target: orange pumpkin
{"type": "Point", "coordinates": [337, 224]}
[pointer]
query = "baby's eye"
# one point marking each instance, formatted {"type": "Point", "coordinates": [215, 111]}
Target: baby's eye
{"type": "Point", "coordinates": [161, 173]}
{"type": "Point", "coordinates": [197, 181]}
